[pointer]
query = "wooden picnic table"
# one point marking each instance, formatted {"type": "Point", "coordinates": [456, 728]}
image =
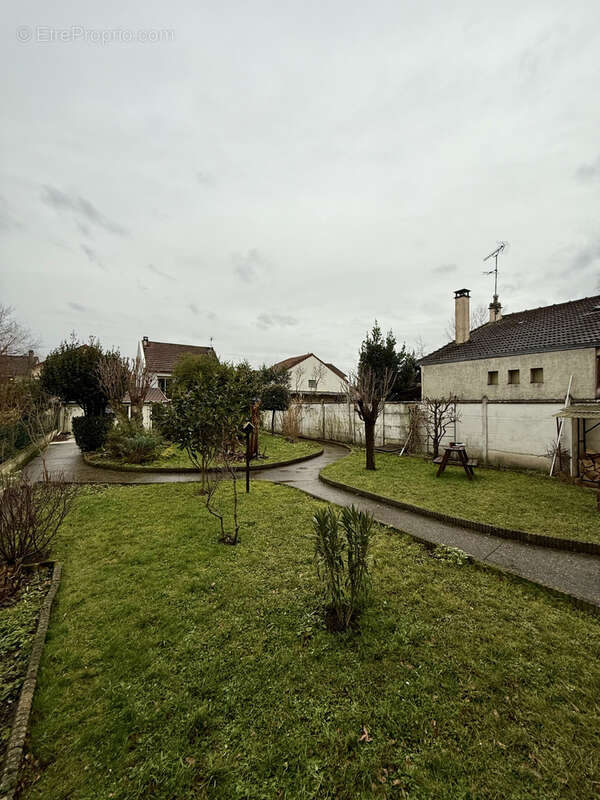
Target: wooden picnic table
{"type": "Point", "coordinates": [455, 455]}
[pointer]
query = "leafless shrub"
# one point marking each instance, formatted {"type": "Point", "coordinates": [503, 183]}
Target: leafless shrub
{"type": "Point", "coordinates": [30, 516]}
{"type": "Point", "coordinates": [558, 456]}
{"type": "Point", "coordinates": [291, 421]}
{"type": "Point", "coordinates": [416, 429]}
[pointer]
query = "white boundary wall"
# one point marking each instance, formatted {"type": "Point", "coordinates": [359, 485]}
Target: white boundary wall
{"type": "Point", "coordinates": [514, 434]}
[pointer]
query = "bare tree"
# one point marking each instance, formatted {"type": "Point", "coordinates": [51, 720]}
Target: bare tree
{"type": "Point", "coordinates": [120, 376]}
{"type": "Point", "coordinates": [479, 316]}
{"type": "Point", "coordinates": [368, 392]}
{"type": "Point", "coordinates": [138, 386]}
{"type": "Point", "coordinates": [15, 339]}
{"type": "Point", "coordinates": [113, 374]}
{"type": "Point", "coordinates": [440, 413]}
{"type": "Point", "coordinates": [317, 375]}
{"type": "Point", "coordinates": [227, 456]}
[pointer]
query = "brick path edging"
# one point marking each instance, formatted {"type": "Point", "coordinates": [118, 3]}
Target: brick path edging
{"type": "Point", "coordinates": [14, 748]}
{"type": "Point", "coordinates": [176, 470]}
{"type": "Point", "coordinates": [572, 545]}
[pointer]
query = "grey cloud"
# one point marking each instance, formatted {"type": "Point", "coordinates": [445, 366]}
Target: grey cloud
{"type": "Point", "coordinates": [93, 257]}
{"type": "Point", "coordinates": [587, 173]}
{"type": "Point", "coordinates": [193, 308]}
{"type": "Point", "coordinates": [161, 273]}
{"type": "Point", "coordinates": [445, 269]}
{"type": "Point", "coordinates": [249, 266]}
{"type": "Point", "coordinates": [141, 286]}
{"type": "Point", "coordinates": [80, 207]}
{"type": "Point", "coordinates": [586, 256]}
{"type": "Point", "coordinates": [205, 178]}
{"type": "Point", "coordinates": [265, 320]}
{"type": "Point", "coordinates": [77, 307]}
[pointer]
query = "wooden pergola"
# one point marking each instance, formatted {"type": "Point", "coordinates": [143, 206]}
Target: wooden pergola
{"type": "Point", "coordinates": [586, 417]}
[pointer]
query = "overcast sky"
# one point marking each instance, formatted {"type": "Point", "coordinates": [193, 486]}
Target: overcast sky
{"type": "Point", "coordinates": [275, 175]}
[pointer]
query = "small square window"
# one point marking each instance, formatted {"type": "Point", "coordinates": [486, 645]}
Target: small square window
{"type": "Point", "coordinates": [312, 384]}
{"type": "Point", "coordinates": [537, 375]}
{"type": "Point", "coordinates": [493, 378]}
{"type": "Point", "coordinates": [514, 376]}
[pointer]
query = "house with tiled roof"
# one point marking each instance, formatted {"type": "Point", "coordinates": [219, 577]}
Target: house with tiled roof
{"type": "Point", "coordinates": [311, 378]}
{"type": "Point", "coordinates": [161, 357]}
{"type": "Point", "coordinates": [528, 356]}
{"type": "Point", "coordinates": [17, 367]}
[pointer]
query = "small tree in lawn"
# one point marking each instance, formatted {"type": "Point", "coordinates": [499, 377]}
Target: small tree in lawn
{"type": "Point", "coordinates": [370, 387]}
{"type": "Point", "coordinates": [368, 392]}
{"type": "Point", "coordinates": [275, 397]}
{"type": "Point", "coordinates": [440, 414]}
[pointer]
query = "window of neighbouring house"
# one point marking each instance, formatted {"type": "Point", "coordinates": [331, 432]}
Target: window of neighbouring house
{"type": "Point", "coordinates": [312, 384]}
{"type": "Point", "coordinates": [537, 375]}
{"type": "Point", "coordinates": [164, 384]}
{"type": "Point", "coordinates": [493, 378]}
{"type": "Point", "coordinates": [514, 376]}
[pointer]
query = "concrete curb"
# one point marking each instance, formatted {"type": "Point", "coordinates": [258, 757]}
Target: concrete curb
{"type": "Point", "coordinates": [191, 470]}
{"type": "Point", "coordinates": [556, 543]}
{"type": "Point", "coordinates": [23, 457]}
{"type": "Point", "coordinates": [14, 748]}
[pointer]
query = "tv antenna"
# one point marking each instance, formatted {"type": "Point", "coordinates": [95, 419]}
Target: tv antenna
{"type": "Point", "coordinates": [494, 254]}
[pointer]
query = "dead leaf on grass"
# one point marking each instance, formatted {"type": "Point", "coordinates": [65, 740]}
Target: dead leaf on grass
{"type": "Point", "coordinates": [364, 737]}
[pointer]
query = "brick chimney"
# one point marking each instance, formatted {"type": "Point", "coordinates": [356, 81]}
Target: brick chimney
{"type": "Point", "coordinates": [495, 310]}
{"type": "Point", "coordinates": [462, 314]}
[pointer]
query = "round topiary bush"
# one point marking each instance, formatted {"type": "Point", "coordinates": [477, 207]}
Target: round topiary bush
{"type": "Point", "coordinates": [90, 432]}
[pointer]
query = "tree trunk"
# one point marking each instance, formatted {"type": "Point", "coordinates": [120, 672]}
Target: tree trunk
{"type": "Point", "coordinates": [370, 443]}
{"type": "Point", "coordinates": [273, 422]}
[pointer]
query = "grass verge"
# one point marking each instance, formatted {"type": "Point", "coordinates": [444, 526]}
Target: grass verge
{"type": "Point", "coordinates": [273, 449]}
{"type": "Point", "coordinates": [176, 667]}
{"type": "Point", "coordinates": [525, 501]}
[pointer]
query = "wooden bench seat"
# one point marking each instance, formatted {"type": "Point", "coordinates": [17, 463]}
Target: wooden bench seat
{"type": "Point", "coordinates": [472, 462]}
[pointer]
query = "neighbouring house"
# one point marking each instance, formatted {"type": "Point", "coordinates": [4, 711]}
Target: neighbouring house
{"type": "Point", "coordinates": [15, 368]}
{"type": "Point", "coordinates": [314, 379]}
{"type": "Point", "coordinates": [161, 357]}
{"type": "Point", "coordinates": [155, 395]}
{"type": "Point", "coordinates": [526, 361]}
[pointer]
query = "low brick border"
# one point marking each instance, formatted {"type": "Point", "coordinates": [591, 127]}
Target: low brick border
{"type": "Point", "coordinates": [14, 749]}
{"type": "Point", "coordinates": [572, 545]}
{"type": "Point", "coordinates": [189, 470]}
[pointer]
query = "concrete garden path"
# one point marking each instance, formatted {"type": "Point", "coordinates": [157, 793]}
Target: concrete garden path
{"type": "Point", "coordinates": [576, 574]}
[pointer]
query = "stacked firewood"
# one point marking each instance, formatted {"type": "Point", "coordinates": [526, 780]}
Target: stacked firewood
{"type": "Point", "coordinates": [589, 467]}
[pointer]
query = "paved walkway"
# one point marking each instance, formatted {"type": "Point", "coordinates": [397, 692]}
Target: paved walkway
{"type": "Point", "coordinates": [577, 574]}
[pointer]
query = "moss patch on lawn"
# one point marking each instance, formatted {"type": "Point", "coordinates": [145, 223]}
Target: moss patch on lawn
{"type": "Point", "coordinates": [272, 449]}
{"type": "Point", "coordinates": [520, 500]}
{"type": "Point", "coordinates": [177, 667]}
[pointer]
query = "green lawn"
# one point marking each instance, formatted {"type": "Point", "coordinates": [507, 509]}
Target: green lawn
{"type": "Point", "coordinates": [272, 449]}
{"type": "Point", "coordinates": [177, 667]}
{"type": "Point", "coordinates": [525, 501]}
{"type": "Point", "coordinates": [18, 624]}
